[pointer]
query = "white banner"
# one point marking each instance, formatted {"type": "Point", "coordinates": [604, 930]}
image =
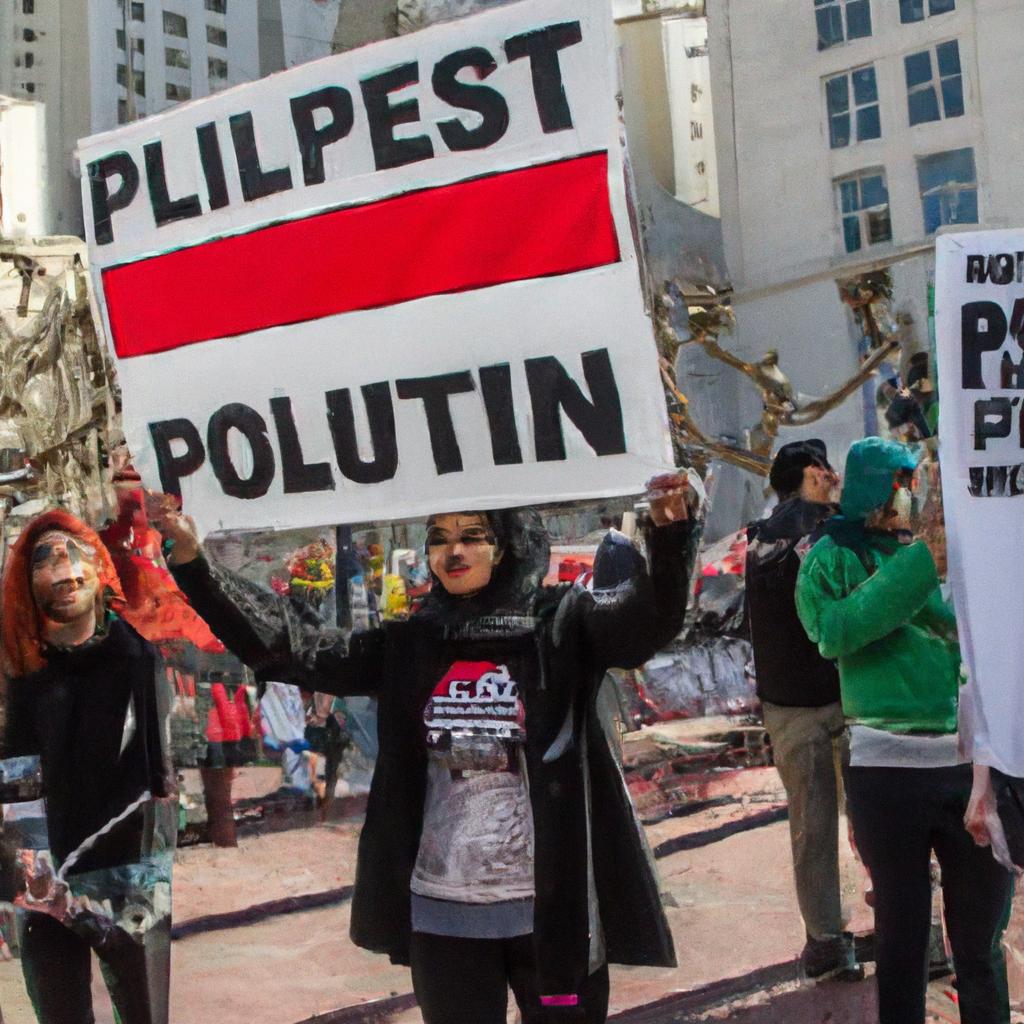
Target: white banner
{"type": "Point", "coordinates": [392, 282]}
{"type": "Point", "coordinates": [979, 323]}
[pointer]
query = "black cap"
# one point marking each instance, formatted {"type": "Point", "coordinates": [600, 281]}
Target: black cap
{"type": "Point", "coordinates": [787, 472]}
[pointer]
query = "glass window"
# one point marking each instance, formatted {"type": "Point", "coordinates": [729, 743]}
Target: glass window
{"type": "Point", "coordinates": [935, 87]}
{"type": "Point", "coordinates": [122, 111]}
{"type": "Point", "coordinates": [217, 68]}
{"type": "Point", "coordinates": [138, 12]}
{"type": "Point", "coordinates": [176, 58]}
{"type": "Point", "coordinates": [177, 92]}
{"type": "Point", "coordinates": [28, 6]}
{"type": "Point", "coordinates": [216, 36]}
{"type": "Point", "coordinates": [949, 188]}
{"type": "Point", "coordinates": [859, 123]}
{"type": "Point", "coordinates": [30, 59]}
{"type": "Point", "coordinates": [28, 35]}
{"type": "Point", "coordinates": [30, 87]}
{"type": "Point", "coordinates": [863, 201]}
{"type": "Point", "coordinates": [839, 20]}
{"type": "Point", "coordinates": [217, 6]}
{"type": "Point", "coordinates": [175, 25]}
{"type": "Point", "coordinates": [914, 10]}
{"type": "Point", "coordinates": [120, 38]}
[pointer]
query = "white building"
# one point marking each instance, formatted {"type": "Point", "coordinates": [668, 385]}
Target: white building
{"type": "Point", "coordinates": [22, 166]}
{"type": "Point", "coordinates": [848, 133]}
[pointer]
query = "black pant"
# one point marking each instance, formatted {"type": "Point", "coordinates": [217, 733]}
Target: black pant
{"type": "Point", "coordinates": [58, 970]}
{"type": "Point", "coordinates": [466, 981]}
{"type": "Point", "coordinates": [899, 816]}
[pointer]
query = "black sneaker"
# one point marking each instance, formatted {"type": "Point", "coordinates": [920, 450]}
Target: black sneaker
{"type": "Point", "coordinates": [832, 958]}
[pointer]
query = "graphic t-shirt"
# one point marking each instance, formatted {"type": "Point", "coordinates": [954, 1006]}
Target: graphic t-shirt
{"type": "Point", "coordinates": [477, 840]}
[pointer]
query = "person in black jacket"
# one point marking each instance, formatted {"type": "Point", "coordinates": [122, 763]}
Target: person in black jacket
{"type": "Point", "coordinates": [82, 695]}
{"type": "Point", "coordinates": [500, 846]}
{"type": "Point", "coordinates": [799, 692]}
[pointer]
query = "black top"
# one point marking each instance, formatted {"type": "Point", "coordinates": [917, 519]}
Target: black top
{"type": "Point", "coordinates": [77, 713]}
{"type": "Point", "coordinates": [790, 671]}
{"type": "Point", "coordinates": [558, 642]}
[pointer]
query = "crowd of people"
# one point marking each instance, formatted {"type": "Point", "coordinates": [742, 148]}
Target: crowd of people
{"type": "Point", "coordinates": [500, 848]}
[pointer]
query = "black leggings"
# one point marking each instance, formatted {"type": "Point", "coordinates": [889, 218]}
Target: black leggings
{"type": "Point", "coordinates": [58, 969]}
{"type": "Point", "coordinates": [899, 816]}
{"type": "Point", "coordinates": [466, 981]}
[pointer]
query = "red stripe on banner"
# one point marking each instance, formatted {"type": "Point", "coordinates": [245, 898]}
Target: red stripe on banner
{"type": "Point", "coordinates": [532, 222]}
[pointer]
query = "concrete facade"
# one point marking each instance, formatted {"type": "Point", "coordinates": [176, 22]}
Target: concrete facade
{"type": "Point", "coordinates": [779, 173]}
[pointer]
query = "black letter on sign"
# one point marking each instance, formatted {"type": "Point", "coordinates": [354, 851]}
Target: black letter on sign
{"type": "Point", "coordinates": [165, 209]}
{"type": "Point", "coordinates": [496, 387]}
{"type": "Point", "coordinates": [213, 165]}
{"type": "Point", "coordinates": [487, 102]}
{"type": "Point", "coordinates": [313, 140]}
{"type": "Point", "coordinates": [256, 182]}
{"type": "Point", "coordinates": [974, 339]}
{"type": "Point", "coordinates": [251, 424]}
{"type": "Point", "coordinates": [173, 467]}
{"type": "Point", "coordinates": [380, 412]}
{"type": "Point", "coordinates": [435, 391]}
{"type": "Point", "coordinates": [976, 270]}
{"type": "Point", "coordinates": [542, 46]}
{"type": "Point", "coordinates": [103, 203]}
{"type": "Point", "coordinates": [993, 418]}
{"type": "Point", "coordinates": [298, 475]}
{"type": "Point", "coordinates": [384, 117]}
{"type": "Point", "coordinates": [600, 421]}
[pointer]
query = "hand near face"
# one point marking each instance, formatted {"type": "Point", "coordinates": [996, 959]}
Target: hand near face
{"type": "Point", "coordinates": [173, 525]}
{"type": "Point", "coordinates": [669, 496]}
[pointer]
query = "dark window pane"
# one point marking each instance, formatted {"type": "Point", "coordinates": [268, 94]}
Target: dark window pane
{"type": "Point", "coordinates": [865, 89]}
{"type": "Point", "coordinates": [879, 226]}
{"type": "Point", "coordinates": [923, 105]}
{"type": "Point", "coordinates": [868, 124]}
{"type": "Point", "coordinates": [138, 12]}
{"type": "Point", "coordinates": [851, 233]}
{"type": "Point", "coordinates": [120, 38]}
{"type": "Point", "coordinates": [953, 96]}
{"type": "Point", "coordinates": [965, 209]}
{"type": "Point", "coordinates": [30, 59]}
{"type": "Point", "coordinates": [911, 10]}
{"type": "Point", "coordinates": [140, 82]}
{"type": "Point", "coordinates": [932, 213]}
{"type": "Point", "coordinates": [216, 36]}
{"type": "Point", "coordinates": [949, 58]}
{"type": "Point", "coordinates": [839, 131]}
{"type": "Point", "coordinates": [955, 166]}
{"type": "Point", "coordinates": [858, 19]}
{"type": "Point", "coordinates": [28, 6]}
{"type": "Point", "coordinates": [30, 87]}
{"type": "Point", "coordinates": [175, 25]}
{"type": "Point", "coordinates": [873, 191]}
{"type": "Point", "coordinates": [830, 26]}
{"type": "Point", "coordinates": [919, 68]}
{"type": "Point", "coordinates": [28, 35]}
{"type": "Point", "coordinates": [837, 92]}
{"type": "Point", "coordinates": [848, 196]}
{"type": "Point", "coordinates": [941, 6]}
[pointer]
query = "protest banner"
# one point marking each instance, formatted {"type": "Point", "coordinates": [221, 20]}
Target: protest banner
{"type": "Point", "coordinates": [395, 281]}
{"type": "Point", "coordinates": [979, 323]}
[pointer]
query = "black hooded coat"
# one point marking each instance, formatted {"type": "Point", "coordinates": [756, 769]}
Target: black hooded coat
{"type": "Point", "coordinates": [558, 643]}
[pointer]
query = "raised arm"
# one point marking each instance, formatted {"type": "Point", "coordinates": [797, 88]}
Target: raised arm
{"type": "Point", "coordinates": [276, 636]}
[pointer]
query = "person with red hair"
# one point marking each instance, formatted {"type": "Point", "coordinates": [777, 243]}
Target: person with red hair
{"type": "Point", "coordinates": [84, 695]}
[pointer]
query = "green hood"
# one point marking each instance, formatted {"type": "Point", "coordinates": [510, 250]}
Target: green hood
{"type": "Point", "coordinates": [870, 465]}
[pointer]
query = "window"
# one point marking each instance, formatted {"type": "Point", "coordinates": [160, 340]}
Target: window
{"type": "Point", "coordinates": [176, 58]}
{"type": "Point", "coordinates": [28, 35]}
{"type": "Point", "coordinates": [217, 68]}
{"type": "Point", "coordinates": [175, 25]}
{"type": "Point", "coordinates": [839, 20]}
{"type": "Point", "coordinates": [949, 188]}
{"type": "Point", "coordinates": [138, 12]}
{"type": "Point", "coordinates": [217, 6]}
{"type": "Point", "coordinates": [913, 10]}
{"type": "Point", "coordinates": [30, 87]}
{"type": "Point", "coordinates": [216, 36]}
{"type": "Point", "coordinates": [924, 92]}
{"type": "Point", "coordinates": [28, 6]}
{"type": "Point", "coordinates": [139, 45]}
{"type": "Point", "coordinates": [863, 201]}
{"type": "Point", "coordinates": [120, 38]}
{"type": "Point", "coordinates": [30, 59]}
{"type": "Point", "coordinates": [122, 111]}
{"type": "Point", "coordinates": [139, 78]}
{"type": "Point", "coordinates": [177, 92]}
{"type": "Point", "coordinates": [865, 124]}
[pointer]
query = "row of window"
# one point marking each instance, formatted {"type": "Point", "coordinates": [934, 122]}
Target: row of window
{"type": "Point", "coordinates": [215, 36]}
{"type": "Point", "coordinates": [935, 90]}
{"type": "Point", "coordinates": [841, 20]}
{"type": "Point", "coordinates": [138, 11]}
{"type": "Point", "coordinates": [216, 68]}
{"type": "Point", "coordinates": [947, 184]}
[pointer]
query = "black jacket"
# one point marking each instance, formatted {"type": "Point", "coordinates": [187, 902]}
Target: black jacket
{"type": "Point", "coordinates": [789, 669]}
{"type": "Point", "coordinates": [73, 714]}
{"type": "Point", "coordinates": [557, 642]}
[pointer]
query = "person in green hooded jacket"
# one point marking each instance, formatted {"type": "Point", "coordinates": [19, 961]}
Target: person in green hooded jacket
{"type": "Point", "coordinates": [868, 595]}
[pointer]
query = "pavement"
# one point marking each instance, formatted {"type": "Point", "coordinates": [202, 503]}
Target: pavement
{"type": "Point", "coordinates": [730, 902]}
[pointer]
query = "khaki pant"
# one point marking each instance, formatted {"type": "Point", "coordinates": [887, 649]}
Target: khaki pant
{"type": "Point", "coordinates": [810, 747]}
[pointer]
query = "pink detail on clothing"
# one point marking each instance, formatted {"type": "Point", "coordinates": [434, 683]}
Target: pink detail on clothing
{"type": "Point", "coordinates": [559, 1000]}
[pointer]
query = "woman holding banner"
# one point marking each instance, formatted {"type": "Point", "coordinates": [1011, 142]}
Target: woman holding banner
{"type": "Point", "coordinates": [500, 847]}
